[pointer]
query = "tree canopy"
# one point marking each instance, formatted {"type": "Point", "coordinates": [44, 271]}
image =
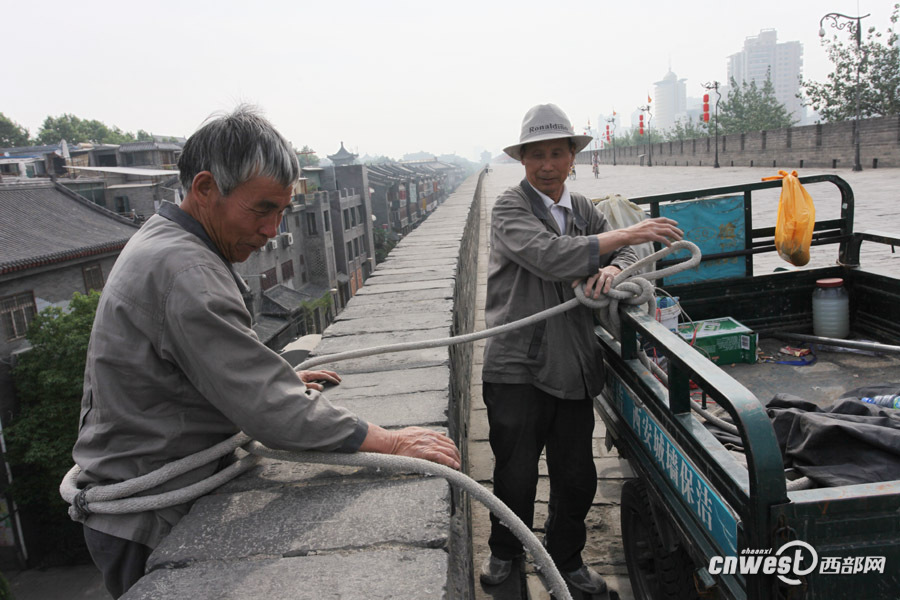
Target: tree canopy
{"type": "Point", "coordinates": [49, 380]}
{"type": "Point", "coordinates": [749, 108]}
{"type": "Point", "coordinates": [879, 76]}
{"type": "Point", "coordinates": [12, 134]}
{"type": "Point", "coordinates": [74, 130]}
{"type": "Point", "coordinates": [689, 130]}
{"type": "Point", "coordinates": [307, 157]}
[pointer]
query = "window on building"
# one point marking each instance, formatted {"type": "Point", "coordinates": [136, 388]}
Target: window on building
{"type": "Point", "coordinates": [122, 205]}
{"type": "Point", "coordinates": [311, 224]}
{"type": "Point", "coordinates": [283, 226]}
{"type": "Point", "coordinates": [353, 216]}
{"type": "Point", "coordinates": [327, 222]}
{"type": "Point", "coordinates": [287, 270]}
{"type": "Point", "coordinates": [93, 278]}
{"type": "Point", "coordinates": [349, 251]}
{"type": "Point", "coordinates": [346, 219]}
{"type": "Point", "coordinates": [16, 313]}
{"type": "Point", "coordinates": [362, 216]}
{"type": "Point", "coordinates": [270, 279]}
{"type": "Point", "coordinates": [355, 247]}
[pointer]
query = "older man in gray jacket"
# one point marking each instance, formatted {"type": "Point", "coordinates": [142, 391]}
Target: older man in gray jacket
{"type": "Point", "coordinates": [173, 366]}
{"type": "Point", "coordinates": [539, 381]}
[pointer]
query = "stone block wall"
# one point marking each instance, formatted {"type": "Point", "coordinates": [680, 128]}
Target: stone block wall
{"type": "Point", "coordinates": [824, 145]}
{"type": "Point", "coordinates": [303, 530]}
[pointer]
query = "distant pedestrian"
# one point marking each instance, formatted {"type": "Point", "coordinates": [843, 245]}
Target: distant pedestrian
{"type": "Point", "coordinates": [540, 381]}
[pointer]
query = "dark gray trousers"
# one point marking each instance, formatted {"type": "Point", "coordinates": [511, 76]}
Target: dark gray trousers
{"type": "Point", "coordinates": [121, 561]}
{"type": "Point", "coordinates": [523, 420]}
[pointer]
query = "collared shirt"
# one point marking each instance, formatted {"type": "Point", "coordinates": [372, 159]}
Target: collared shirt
{"type": "Point", "coordinates": [173, 367]}
{"type": "Point", "coordinates": [560, 210]}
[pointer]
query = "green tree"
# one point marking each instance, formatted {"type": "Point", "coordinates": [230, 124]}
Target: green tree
{"type": "Point", "coordinates": [48, 382]}
{"type": "Point", "coordinates": [632, 137]}
{"type": "Point", "coordinates": [879, 76]}
{"type": "Point", "coordinates": [749, 108]}
{"type": "Point", "coordinates": [12, 134]}
{"type": "Point", "coordinates": [143, 136]}
{"type": "Point", "coordinates": [384, 243]}
{"type": "Point", "coordinates": [688, 130]}
{"type": "Point", "coordinates": [74, 130]}
{"type": "Point", "coordinates": [307, 157]}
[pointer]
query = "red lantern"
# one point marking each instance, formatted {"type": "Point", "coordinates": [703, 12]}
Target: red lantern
{"type": "Point", "coordinates": [706, 117]}
{"type": "Point", "coordinates": [641, 130]}
{"type": "Point", "coordinates": [607, 137]}
{"type": "Point", "coordinates": [640, 117]}
{"type": "Point", "coordinates": [705, 98]}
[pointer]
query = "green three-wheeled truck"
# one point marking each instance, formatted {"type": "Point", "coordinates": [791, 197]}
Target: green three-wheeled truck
{"type": "Point", "coordinates": [701, 520]}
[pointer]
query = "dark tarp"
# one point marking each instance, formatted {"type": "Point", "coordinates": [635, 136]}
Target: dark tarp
{"type": "Point", "coordinates": [847, 442]}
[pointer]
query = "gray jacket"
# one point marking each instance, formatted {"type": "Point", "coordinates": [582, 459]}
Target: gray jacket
{"type": "Point", "coordinates": [173, 367]}
{"type": "Point", "coordinates": [531, 268]}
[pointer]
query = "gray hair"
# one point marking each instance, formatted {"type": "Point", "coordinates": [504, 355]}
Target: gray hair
{"type": "Point", "coordinates": [235, 148]}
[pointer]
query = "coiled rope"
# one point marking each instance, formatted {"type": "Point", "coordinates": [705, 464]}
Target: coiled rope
{"type": "Point", "coordinates": [630, 287]}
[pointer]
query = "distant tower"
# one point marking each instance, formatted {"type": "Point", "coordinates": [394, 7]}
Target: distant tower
{"type": "Point", "coordinates": [342, 157]}
{"type": "Point", "coordinates": [671, 101]}
{"type": "Point", "coordinates": [762, 53]}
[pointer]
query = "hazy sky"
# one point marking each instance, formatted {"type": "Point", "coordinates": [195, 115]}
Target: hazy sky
{"type": "Point", "coordinates": [385, 77]}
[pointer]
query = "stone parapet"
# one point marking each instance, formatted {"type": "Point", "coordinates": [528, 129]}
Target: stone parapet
{"type": "Point", "coordinates": [823, 145]}
{"type": "Point", "coordinates": [289, 530]}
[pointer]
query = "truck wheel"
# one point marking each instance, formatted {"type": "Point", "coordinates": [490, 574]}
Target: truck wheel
{"type": "Point", "coordinates": [655, 573]}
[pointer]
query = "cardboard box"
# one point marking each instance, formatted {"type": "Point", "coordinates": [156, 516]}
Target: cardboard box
{"type": "Point", "coordinates": [724, 341]}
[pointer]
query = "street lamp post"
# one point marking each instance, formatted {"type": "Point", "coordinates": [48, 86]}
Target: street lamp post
{"type": "Point", "coordinates": [856, 28]}
{"type": "Point", "coordinates": [613, 121]}
{"type": "Point", "coordinates": [714, 85]}
{"type": "Point", "coordinates": [646, 109]}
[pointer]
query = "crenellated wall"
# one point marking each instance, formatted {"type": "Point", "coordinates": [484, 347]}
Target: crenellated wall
{"type": "Point", "coordinates": [824, 145]}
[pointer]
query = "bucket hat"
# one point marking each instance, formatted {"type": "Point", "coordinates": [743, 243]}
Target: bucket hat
{"type": "Point", "coordinates": [546, 122]}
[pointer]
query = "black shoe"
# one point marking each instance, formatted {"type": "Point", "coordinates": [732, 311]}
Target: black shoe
{"type": "Point", "coordinates": [585, 579]}
{"type": "Point", "coordinates": [495, 571]}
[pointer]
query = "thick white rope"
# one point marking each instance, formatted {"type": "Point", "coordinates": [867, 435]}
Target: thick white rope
{"type": "Point", "coordinates": [627, 287]}
{"type": "Point", "coordinates": [636, 289]}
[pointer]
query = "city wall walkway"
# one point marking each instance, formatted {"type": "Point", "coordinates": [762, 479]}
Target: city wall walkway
{"type": "Point", "coordinates": [287, 530]}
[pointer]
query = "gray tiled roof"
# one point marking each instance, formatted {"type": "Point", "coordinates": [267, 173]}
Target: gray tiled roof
{"type": "Point", "coordinates": [282, 301]}
{"type": "Point", "coordinates": [342, 154]}
{"type": "Point", "coordinates": [44, 223]}
{"type": "Point", "coordinates": [144, 146]}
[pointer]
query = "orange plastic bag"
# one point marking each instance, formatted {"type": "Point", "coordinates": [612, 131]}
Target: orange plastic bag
{"type": "Point", "coordinates": [796, 219]}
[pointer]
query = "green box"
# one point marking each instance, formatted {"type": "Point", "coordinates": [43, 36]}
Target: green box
{"type": "Point", "coordinates": [724, 341]}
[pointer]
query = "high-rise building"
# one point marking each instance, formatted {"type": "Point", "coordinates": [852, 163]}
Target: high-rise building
{"type": "Point", "coordinates": [670, 95]}
{"type": "Point", "coordinates": [763, 54]}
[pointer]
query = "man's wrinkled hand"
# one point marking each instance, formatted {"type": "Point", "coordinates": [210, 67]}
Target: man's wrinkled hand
{"type": "Point", "coordinates": [600, 283]}
{"type": "Point", "coordinates": [311, 378]}
{"type": "Point", "coordinates": [419, 442]}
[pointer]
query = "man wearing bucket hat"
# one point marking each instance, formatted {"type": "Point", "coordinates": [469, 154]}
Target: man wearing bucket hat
{"type": "Point", "coordinates": [539, 381]}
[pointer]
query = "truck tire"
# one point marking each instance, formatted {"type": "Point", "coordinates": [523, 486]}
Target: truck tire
{"type": "Point", "coordinates": [655, 572]}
